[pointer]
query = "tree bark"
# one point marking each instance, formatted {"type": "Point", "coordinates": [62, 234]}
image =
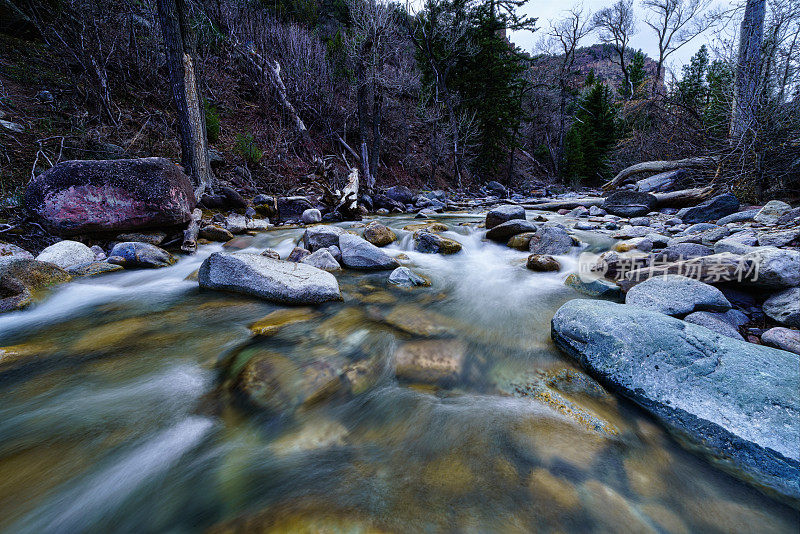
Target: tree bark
{"type": "Point", "coordinates": [180, 47]}
{"type": "Point", "coordinates": [748, 71]}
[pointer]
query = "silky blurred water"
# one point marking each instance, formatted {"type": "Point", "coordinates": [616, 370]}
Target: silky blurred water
{"type": "Point", "coordinates": [111, 418]}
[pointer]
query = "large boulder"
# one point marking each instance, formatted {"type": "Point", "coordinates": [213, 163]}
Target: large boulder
{"type": "Point", "coordinates": [710, 210]}
{"type": "Point", "coordinates": [275, 280]}
{"type": "Point", "coordinates": [629, 203]}
{"type": "Point", "coordinates": [405, 277]}
{"type": "Point", "coordinates": [67, 254]}
{"type": "Point", "coordinates": [674, 294]}
{"type": "Point", "coordinates": [358, 253]}
{"type": "Point", "coordinates": [322, 259]}
{"type": "Point", "coordinates": [772, 267]}
{"type": "Point", "coordinates": [784, 307]}
{"type": "Point", "coordinates": [401, 194]}
{"type": "Point", "coordinates": [502, 214]}
{"type": "Point", "coordinates": [772, 212]}
{"type": "Point", "coordinates": [21, 278]}
{"type": "Point", "coordinates": [551, 239]}
{"type": "Point", "coordinates": [735, 401]}
{"type": "Point", "coordinates": [77, 196]}
{"type": "Point", "coordinates": [311, 216]}
{"type": "Point", "coordinates": [322, 236]}
{"type": "Point", "coordinates": [502, 232]}
{"type": "Point", "coordinates": [133, 254]}
{"type": "Point", "coordinates": [292, 208]}
{"type": "Point", "coordinates": [9, 249]}
{"type": "Point", "coordinates": [378, 234]}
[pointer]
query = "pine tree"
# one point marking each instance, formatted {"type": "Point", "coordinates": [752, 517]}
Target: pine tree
{"type": "Point", "coordinates": [637, 75]}
{"type": "Point", "coordinates": [717, 116]}
{"type": "Point", "coordinates": [692, 89]}
{"type": "Point", "coordinates": [592, 136]}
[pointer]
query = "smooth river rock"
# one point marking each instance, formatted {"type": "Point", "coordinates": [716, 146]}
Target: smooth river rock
{"type": "Point", "coordinates": [358, 253]}
{"type": "Point", "coordinates": [502, 214]}
{"type": "Point", "coordinates": [22, 278]}
{"type": "Point", "coordinates": [735, 401]}
{"type": "Point", "coordinates": [674, 294]}
{"type": "Point", "coordinates": [67, 254]}
{"type": "Point", "coordinates": [784, 307]}
{"type": "Point", "coordinates": [276, 280]}
{"type": "Point", "coordinates": [133, 254]}
{"type": "Point", "coordinates": [710, 210]}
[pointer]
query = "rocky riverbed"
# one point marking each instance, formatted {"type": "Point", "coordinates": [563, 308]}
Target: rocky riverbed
{"type": "Point", "coordinates": [482, 370]}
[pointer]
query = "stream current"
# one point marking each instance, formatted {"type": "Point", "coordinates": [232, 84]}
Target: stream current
{"type": "Point", "coordinates": [110, 418]}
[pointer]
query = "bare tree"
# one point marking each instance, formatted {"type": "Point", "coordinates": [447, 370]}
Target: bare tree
{"type": "Point", "coordinates": [675, 23]}
{"type": "Point", "coordinates": [563, 39]}
{"type": "Point", "coordinates": [617, 25]}
{"type": "Point", "coordinates": [180, 46]}
{"type": "Point", "coordinates": [748, 70]}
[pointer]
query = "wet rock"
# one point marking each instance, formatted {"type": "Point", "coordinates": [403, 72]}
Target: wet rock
{"type": "Point", "coordinates": [640, 221]}
{"type": "Point", "coordinates": [273, 322]}
{"type": "Point", "coordinates": [76, 197]}
{"type": "Point", "coordinates": [378, 234]}
{"type": "Point", "coordinates": [405, 277]}
{"type": "Point", "coordinates": [322, 236]}
{"type": "Point", "coordinates": [735, 401]}
{"type": "Point", "coordinates": [502, 214]}
{"type": "Point", "coordinates": [236, 223]}
{"type": "Point", "coordinates": [710, 210]}
{"type": "Point", "coordinates": [674, 294]}
{"type": "Point", "coordinates": [629, 203]}
{"type": "Point", "coordinates": [298, 254]}
{"type": "Point", "coordinates": [551, 239]}
{"type": "Point", "coordinates": [212, 232]}
{"type": "Point", "coordinates": [99, 253]}
{"type": "Point", "coordinates": [9, 250]}
{"type": "Point", "coordinates": [597, 211]}
{"type": "Point", "coordinates": [267, 278]}
{"type": "Point", "coordinates": [542, 263]}
{"type": "Point", "coordinates": [784, 307]}
{"type": "Point", "coordinates": [554, 494]}
{"type": "Point", "coordinates": [616, 265]}
{"type": "Point", "coordinates": [311, 216]}
{"type": "Point", "coordinates": [292, 208]}
{"type": "Point", "coordinates": [739, 216]}
{"type": "Point", "coordinates": [94, 268]}
{"type": "Point", "coordinates": [611, 511]}
{"type": "Point", "coordinates": [133, 255]}
{"type": "Point", "coordinates": [594, 288]}
{"type": "Point", "coordinates": [771, 212]}
{"type": "Point", "coordinates": [777, 268]}
{"type": "Point", "coordinates": [358, 253]}
{"type": "Point", "coordinates": [583, 225]}
{"type": "Point", "coordinates": [400, 193]}
{"type": "Point", "coordinates": [419, 322]}
{"type": "Point", "coordinates": [315, 435]}
{"type": "Point", "coordinates": [239, 243]}
{"type": "Point", "coordinates": [434, 243]}
{"type": "Point", "coordinates": [521, 241]}
{"type": "Point", "coordinates": [502, 232]}
{"type": "Point", "coordinates": [258, 225]}
{"type": "Point", "coordinates": [496, 188]}
{"type": "Point", "coordinates": [715, 323]}
{"type": "Point", "coordinates": [430, 226]}
{"type": "Point", "coordinates": [641, 244]}
{"type": "Point", "coordinates": [270, 253]}
{"type": "Point", "coordinates": [430, 361]}
{"type": "Point", "coordinates": [66, 254]}
{"type": "Point", "coordinates": [322, 259]}
{"type": "Point", "coordinates": [152, 238]}
{"type": "Point", "coordinates": [22, 278]}
{"type": "Point", "coordinates": [782, 338]}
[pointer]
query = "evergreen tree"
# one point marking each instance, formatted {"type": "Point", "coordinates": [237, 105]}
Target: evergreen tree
{"type": "Point", "coordinates": [592, 136]}
{"type": "Point", "coordinates": [692, 89]}
{"type": "Point", "coordinates": [637, 75]}
{"type": "Point", "coordinates": [717, 116]}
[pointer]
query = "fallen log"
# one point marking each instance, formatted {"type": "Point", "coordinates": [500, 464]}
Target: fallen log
{"type": "Point", "coordinates": [656, 167]}
{"type": "Point", "coordinates": [684, 197]}
{"type": "Point", "coordinates": [555, 205]}
{"type": "Point", "coordinates": [189, 244]}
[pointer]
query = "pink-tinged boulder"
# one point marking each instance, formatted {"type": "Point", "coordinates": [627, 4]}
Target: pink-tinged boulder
{"type": "Point", "coordinates": [78, 196]}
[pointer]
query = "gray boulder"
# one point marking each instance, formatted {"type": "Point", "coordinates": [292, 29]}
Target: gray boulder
{"type": "Point", "coordinates": [275, 280]}
{"type": "Point", "coordinates": [551, 239]}
{"type": "Point", "coordinates": [784, 307]}
{"type": "Point", "coordinates": [21, 279]}
{"type": "Point", "coordinates": [738, 243]}
{"type": "Point", "coordinates": [66, 254]}
{"type": "Point", "coordinates": [673, 294]}
{"type": "Point", "coordinates": [400, 193]}
{"type": "Point", "coordinates": [710, 210]}
{"type": "Point", "coordinates": [734, 401]}
{"type": "Point", "coordinates": [593, 287]}
{"type": "Point", "coordinates": [322, 259]}
{"type": "Point", "coordinates": [311, 216]}
{"type": "Point", "coordinates": [11, 250]}
{"type": "Point", "coordinates": [739, 216]}
{"type": "Point", "coordinates": [716, 322]}
{"type": "Point", "coordinates": [323, 236]}
{"type": "Point", "coordinates": [133, 254]}
{"type": "Point", "coordinates": [629, 203]}
{"type": "Point", "coordinates": [405, 277]}
{"type": "Point", "coordinates": [502, 214]}
{"type": "Point", "coordinates": [775, 267]}
{"type": "Point", "coordinates": [358, 253]}
{"type": "Point", "coordinates": [771, 212]}
{"type": "Point", "coordinates": [292, 208]}
{"type": "Point", "coordinates": [684, 251]}
{"type": "Point", "coordinates": [779, 238]}
{"type": "Point", "coordinates": [782, 338]}
{"type": "Point", "coordinates": [298, 254]}
{"type": "Point", "coordinates": [502, 232]}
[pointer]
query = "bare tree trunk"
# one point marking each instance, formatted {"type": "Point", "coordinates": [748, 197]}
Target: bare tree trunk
{"type": "Point", "coordinates": [377, 105]}
{"type": "Point", "coordinates": [363, 128]}
{"type": "Point", "coordinates": [656, 166]}
{"type": "Point", "coordinates": [748, 71]}
{"type": "Point", "coordinates": [180, 51]}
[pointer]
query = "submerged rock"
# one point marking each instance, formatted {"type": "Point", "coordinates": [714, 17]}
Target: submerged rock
{"type": "Point", "coordinates": [21, 278]}
{"type": "Point", "coordinates": [273, 322]}
{"type": "Point", "coordinates": [279, 281]}
{"type": "Point", "coordinates": [434, 243]}
{"type": "Point", "coordinates": [674, 294]}
{"type": "Point", "coordinates": [94, 268]}
{"type": "Point", "coordinates": [431, 360]}
{"type": "Point", "coordinates": [66, 254]}
{"type": "Point", "coordinates": [405, 277]}
{"type": "Point", "coordinates": [735, 401]}
{"type": "Point", "coordinates": [133, 254]}
{"type": "Point", "coordinates": [357, 253]}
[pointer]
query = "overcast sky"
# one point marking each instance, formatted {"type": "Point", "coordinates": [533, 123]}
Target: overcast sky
{"type": "Point", "coordinates": [549, 10]}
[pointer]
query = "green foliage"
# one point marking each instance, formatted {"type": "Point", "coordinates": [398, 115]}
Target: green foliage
{"type": "Point", "coordinates": [212, 122]}
{"type": "Point", "coordinates": [302, 11]}
{"type": "Point", "coordinates": [591, 78]}
{"type": "Point", "coordinates": [247, 148]}
{"type": "Point", "coordinates": [717, 115]}
{"type": "Point", "coordinates": [692, 89]}
{"type": "Point", "coordinates": [637, 75]}
{"type": "Point", "coordinates": [592, 136]}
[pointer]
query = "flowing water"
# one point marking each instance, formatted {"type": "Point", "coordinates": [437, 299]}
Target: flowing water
{"type": "Point", "coordinates": [113, 414]}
